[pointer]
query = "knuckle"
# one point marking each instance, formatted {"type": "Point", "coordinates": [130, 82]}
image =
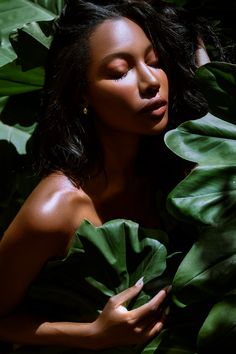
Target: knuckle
{"type": "Point", "coordinates": [112, 301]}
{"type": "Point", "coordinates": [130, 321]}
{"type": "Point", "coordinates": [153, 309]}
{"type": "Point", "coordinates": [138, 330]}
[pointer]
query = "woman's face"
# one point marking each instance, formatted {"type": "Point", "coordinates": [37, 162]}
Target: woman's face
{"type": "Point", "coordinates": [127, 89]}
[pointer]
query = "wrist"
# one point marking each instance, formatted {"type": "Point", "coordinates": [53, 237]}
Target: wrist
{"type": "Point", "coordinates": [95, 339]}
{"type": "Point", "coordinates": [70, 334]}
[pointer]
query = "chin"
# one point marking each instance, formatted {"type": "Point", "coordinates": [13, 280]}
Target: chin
{"type": "Point", "coordinates": [159, 126]}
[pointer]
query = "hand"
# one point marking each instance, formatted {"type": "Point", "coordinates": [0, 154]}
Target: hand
{"type": "Point", "coordinates": [116, 326]}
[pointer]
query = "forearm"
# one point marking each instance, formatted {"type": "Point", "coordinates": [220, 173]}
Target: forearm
{"type": "Point", "coordinates": [24, 329]}
{"type": "Point", "coordinates": [115, 326]}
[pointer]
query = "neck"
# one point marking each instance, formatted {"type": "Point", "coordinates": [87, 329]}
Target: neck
{"type": "Point", "coordinates": [120, 153]}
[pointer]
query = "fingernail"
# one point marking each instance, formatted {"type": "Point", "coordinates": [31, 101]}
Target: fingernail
{"type": "Point", "coordinates": [139, 283]}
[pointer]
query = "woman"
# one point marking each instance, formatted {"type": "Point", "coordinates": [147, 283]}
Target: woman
{"type": "Point", "coordinates": [115, 81]}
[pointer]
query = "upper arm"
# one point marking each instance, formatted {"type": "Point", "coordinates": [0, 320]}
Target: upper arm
{"type": "Point", "coordinates": [35, 235]}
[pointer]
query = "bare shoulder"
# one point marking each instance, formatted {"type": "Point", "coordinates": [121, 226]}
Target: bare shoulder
{"type": "Point", "coordinates": [51, 210]}
{"type": "Point", "coordinates": [41, 230]}
{"type": "Point", "coordinates": [52, 202]}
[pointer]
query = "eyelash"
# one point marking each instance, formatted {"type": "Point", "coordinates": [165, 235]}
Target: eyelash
{"type": "Point", "coordinates": [122, 76]}
{"type": "Point", "coordinates": [154, 65]}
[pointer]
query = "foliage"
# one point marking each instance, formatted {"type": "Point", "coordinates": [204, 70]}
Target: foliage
{"type": "Point", "coordinates": [207, 197]}
{"type": "Point", "coordinates": [104, 261]}
{"type": "Point", "coordinates": [25, 37]}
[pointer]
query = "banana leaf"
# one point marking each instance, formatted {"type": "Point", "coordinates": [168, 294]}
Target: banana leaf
{"type": "Point", "coordinates": [31, 44]}
{"type": "Point", "coordinates": [16, 176]}
{"type": "Point", "coordinates": [13, 81]}
{"type": "Point", "coordinates": [55, 6]}
{"type": "Point", "coordinates": [25, 37]}
{"type": "Point", "coordinates": [15, 14]}
{"type": "Point", "coordinates": [16, 135]}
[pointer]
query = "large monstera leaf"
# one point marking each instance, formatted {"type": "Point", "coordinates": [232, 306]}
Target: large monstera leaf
{"type": "Point", "coordinates": [218, 83]}
{"type": "Point", "coordinates": [218, 330]}
{"type": "Point", "coordinates": [207, 194]}
{"type": "Point", "coordinates": [102, 261]}
{"type": "Point", "coordinates": [206, 197]}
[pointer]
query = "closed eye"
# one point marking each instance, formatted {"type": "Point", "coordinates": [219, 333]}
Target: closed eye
{"type": "Point", "coordinates": [154, 64]}
{"type": "Point", "coordinates": [152, 59]}
{"type": "Point", "coordinates": [120, 76]}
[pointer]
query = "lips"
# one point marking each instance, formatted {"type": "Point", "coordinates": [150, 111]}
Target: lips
{"type": "Point", "coordinates": [153, 105]}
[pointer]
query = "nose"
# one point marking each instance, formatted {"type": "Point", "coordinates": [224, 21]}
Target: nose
{"type": "Point", "coordinates": [148, 81]}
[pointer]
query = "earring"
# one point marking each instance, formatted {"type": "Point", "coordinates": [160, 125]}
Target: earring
{"type": "Point", "coordinates": [85, 111]}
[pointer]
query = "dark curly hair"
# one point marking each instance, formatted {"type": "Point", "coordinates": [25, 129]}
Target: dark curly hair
{"type": "Point", "coordinates": [66, 139]}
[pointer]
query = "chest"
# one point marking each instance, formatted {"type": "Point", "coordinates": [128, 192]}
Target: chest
{"type": "Point", "coordinates": [138, 205]}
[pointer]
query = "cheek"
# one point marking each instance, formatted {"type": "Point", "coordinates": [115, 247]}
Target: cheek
{"type": "Point", "coordinates": [111, 95]}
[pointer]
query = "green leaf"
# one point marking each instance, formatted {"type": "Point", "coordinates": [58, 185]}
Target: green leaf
{"type": "Point", "coordinates": [31, 45]}
{"type": "Point", "coordinates": [206, 197]}
{"type": "Point", "coordinates": [6, 55]}
{"type": "Point", "coordinates": [218, 333]}
{"type": "Point", "coordinates": [218, 83]}
{"type": "Point", "coordinates": [207, 194]}
{"type": "Point", "coordinates": [206, 141]}
{"type": "Point", "coordinates": [14, 14]}
{"type": "Point", "coordinates": [3, 101]}
{"type": "Point", "coordinates": [101, 262]}
{"type": "Point", "coordinates": [104, 261]}
{"type": "Point", "coordinates": [16, 135]}
{"type": "Point", "coordinates": [13, 81]}
{"type": "Point", "coordinates": [208, 270]}
{"type": "Point", "coordinates": [22, 109]}
{"type": "Point", "coordinates": [54, 6]}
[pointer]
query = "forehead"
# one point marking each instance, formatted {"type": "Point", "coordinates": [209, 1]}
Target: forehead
{"type": "Point", "coordinates": [116, 35]}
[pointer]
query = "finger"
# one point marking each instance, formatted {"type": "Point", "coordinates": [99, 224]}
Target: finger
{"type": "Point", "coordinates": [149, 321]}
{"type": "Point", "coordinates": [160, 296]}
{"type": "Point", "coordinates": [155, 329]}
{"type": "Point", "coordinates": [127, 294]}
{"type": "Point", "coordinates": [150, 331]}
{"type": "Point", "coordinates": [150, 307]}
{"type": "Point", "coordinates": [157, 326]}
